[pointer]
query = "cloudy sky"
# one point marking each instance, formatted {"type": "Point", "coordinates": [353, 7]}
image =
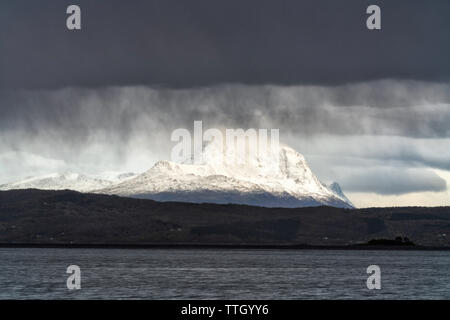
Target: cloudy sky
{"type": "Point", "coordinates": [369, 109]}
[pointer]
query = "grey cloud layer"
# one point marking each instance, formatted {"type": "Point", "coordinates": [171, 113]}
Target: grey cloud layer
{"type": "Point", "coordinates": [386, 180]}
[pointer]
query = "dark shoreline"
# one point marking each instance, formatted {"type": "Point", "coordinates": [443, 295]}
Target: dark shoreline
{"type": "Point", "coordinates": [189, 246]}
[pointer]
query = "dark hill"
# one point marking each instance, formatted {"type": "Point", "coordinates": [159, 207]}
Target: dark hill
{"type": "Point", "coordinates": [37, 216]}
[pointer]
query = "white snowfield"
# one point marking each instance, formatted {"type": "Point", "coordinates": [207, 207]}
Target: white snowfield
{"type": "Point", "coordinates": [259, 180]}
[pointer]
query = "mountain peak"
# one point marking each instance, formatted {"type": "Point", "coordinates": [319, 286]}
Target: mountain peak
{"type": "Point", "coordinates": [336, 188]}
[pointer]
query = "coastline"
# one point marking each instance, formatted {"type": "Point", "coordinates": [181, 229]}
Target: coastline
{"type": "Point", "coordinates": [190, 246]}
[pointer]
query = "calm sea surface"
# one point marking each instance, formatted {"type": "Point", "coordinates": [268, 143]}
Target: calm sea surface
{"type": "Point", "coordinates": [222, 274]}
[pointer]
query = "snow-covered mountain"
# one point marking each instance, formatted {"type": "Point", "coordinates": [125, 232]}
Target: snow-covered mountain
{"type": "Point", "coordinates": [260, 181]}
{"type": "Point", "coordinates": [68, 180]}
{"type": "Point", "coordinates": [279, 178]}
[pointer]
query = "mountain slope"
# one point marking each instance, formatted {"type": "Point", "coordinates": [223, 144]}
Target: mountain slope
{"type": "Point", "coordinates": [337, 190]}
{"type": "Point", "coordinates": [67, 180]}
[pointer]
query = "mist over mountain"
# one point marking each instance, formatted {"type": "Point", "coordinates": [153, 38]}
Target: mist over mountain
{"type": "Point", "coordinates": [280, 178]}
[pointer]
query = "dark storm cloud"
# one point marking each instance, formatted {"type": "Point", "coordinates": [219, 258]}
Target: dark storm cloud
{"type": "Point", "coordinates": [390, 108]}
{"type": "Point", "coordinates": [202, 42]}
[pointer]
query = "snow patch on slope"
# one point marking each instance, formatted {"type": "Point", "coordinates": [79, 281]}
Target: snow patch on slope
{"type": "Point", "coordinates": [68, 180]}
